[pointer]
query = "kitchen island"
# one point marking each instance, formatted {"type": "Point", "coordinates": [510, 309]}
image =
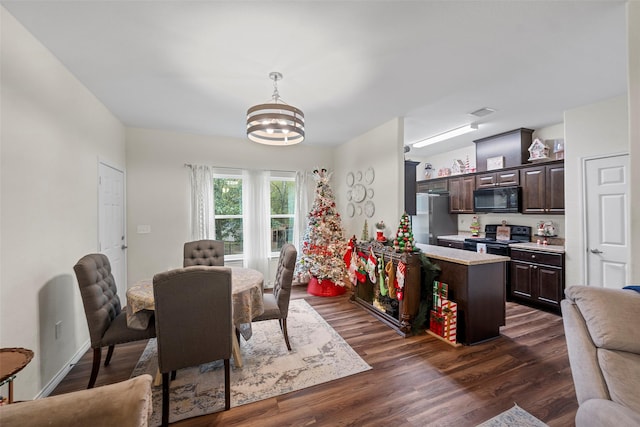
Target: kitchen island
{"type": "Point", "coordinates": [477, 283]}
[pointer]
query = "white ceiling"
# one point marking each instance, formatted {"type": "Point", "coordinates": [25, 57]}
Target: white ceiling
{"type": "Point", "coordinates": [196, 66]}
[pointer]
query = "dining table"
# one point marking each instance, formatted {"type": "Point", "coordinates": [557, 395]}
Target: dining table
{"type": "Point", "coordinates": [247, 302]}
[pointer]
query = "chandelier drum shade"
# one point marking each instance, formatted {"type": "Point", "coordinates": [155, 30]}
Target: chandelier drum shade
{"type": "Point", "coordinates": [276, 122]}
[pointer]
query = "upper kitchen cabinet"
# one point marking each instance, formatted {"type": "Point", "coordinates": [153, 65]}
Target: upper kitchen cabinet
{"type": "Point", "coordinates": [438, 185]}
{"type": "Point", "coordinates": [505, 150]}
{"type": "Point", "coordinates": [461, 194]}
{"type": "Point", "coordinates": [507, 178]}
{"type": "Point", "coordinates": [543, 189]}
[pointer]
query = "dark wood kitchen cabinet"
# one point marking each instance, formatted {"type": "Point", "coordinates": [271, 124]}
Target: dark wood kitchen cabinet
{"type": "Point", "coordinates": [410, 186]}
{"type": "Point", "coordinates": [461, 194]}
{"type": "Point", "coordinates": [506, 178]}
{"type": "Point", "coordinates": [438, 185]}
{"type": "Point", "coordinates": [543, 189]}
{"type": "Point", "coordinates": [456, 244]}
{"type": "Point", "coordinates": [537, 277]}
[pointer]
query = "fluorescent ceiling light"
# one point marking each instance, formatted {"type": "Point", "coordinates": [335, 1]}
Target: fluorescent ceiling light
{"type": "Point", "coordinates": [446, 135]}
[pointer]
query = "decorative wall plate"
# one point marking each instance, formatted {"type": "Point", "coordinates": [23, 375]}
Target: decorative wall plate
{"type": "Point", "coordinates": [369, 208]}
{"type": "Point", "coordinates": [349, 196]}
{"type": "Point", "coordinates": [358, 176]}
{"type": "Point", "coordinates": [359, 210]}
{"type": "Point", "coordinates": [369, 175]}
{"type": "Point", "coordinates": [359, 193]}
{"type": "Point", "coordinates": [350, 179]}
{"type": "Point", "coordinates": [351, 210]}
{"type": "Point", "coordinates": [370, 193]}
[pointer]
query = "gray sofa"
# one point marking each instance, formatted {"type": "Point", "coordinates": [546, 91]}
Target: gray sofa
{"type": "Point", "coordinates": [602, 328]}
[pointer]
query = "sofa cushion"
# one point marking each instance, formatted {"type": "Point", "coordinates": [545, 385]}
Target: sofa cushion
{"type": "Point", "coordinates": [600, 412]}
{"type": "Point", "coordinates": [621, 371]}
{"type": "Point", "coordinates": [611, 316]}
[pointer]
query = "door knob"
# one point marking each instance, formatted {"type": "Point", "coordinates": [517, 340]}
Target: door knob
{"type": "Point", "coordinates": [123, 247]}
{"type": "Point", "coordinates": [596, 251]}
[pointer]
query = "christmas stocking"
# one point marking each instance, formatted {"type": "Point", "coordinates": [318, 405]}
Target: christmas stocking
{"type": "Point", "coordinates": [353, 261]}
{"type": "Point", "coordinates": [391, 279]}
{"type": "Point", "coordinates": [361, 273]}
{"type": "Point", "coordinates": [402, 269]}
{"type": "Point", "coordinates": [383, 286]}
{"type": "Point", "coordinates": [371, 267]}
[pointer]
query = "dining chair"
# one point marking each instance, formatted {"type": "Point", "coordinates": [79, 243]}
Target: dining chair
{"type": "Point", "coordinates": [106, 318]}
{"type": "Point", "coordinates": [276, 304]}
{"type": "Point", "coordinates": [193, 322]}
{"type": "Point", "coordinates": [204, 252]}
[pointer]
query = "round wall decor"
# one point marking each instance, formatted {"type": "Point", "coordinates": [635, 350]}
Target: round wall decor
{"type": "Point", "coordinates": [369, 175]}
{"type": "Point", "coordinates": [369, 208]}
{"type": "Point", "coordinates": [350, 179]}
{"type": "Point", "coordinates": [359, 193]}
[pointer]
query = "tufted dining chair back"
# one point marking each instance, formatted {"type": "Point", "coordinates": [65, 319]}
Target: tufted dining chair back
{"type": "Point", "coordinates": [106, 318]}
{"type": "Point", "coordinates": [204, 252]}
{"type": "Point", "coordinates": [276, 304]}
{"type": "Point", "coordinates": [193, 322]}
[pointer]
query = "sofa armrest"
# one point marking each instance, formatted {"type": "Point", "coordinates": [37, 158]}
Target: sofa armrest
{"type": "Point", "coordinates": [127, 403]}
{"type": "Point", "coordinates": [599, 412]}
{"type": "Point", "coordinates": [585, 369]}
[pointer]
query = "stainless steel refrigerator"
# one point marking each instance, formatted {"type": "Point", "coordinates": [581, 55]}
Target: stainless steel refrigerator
{"type": "Point", "coordinates": [432, 218]}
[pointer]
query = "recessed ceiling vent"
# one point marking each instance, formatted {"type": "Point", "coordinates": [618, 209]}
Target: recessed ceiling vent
{"type": "Point", "coordinates": [482, 112]}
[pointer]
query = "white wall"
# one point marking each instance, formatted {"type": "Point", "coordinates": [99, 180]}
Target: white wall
{"type": "Point", "coordinates": [633, 27]}
{"type": "Point", "coordinates": [158, 191]}
{"type": "Point", "coordinates": [53, 132]}
{"type": "Point", "coordinates": [381, 149]}
{"type": "Point", "coordinates": [593, 130]}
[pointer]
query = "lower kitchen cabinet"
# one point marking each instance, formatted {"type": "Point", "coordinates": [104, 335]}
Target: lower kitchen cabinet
{"type": "Point", "coordinates": [537, 277]}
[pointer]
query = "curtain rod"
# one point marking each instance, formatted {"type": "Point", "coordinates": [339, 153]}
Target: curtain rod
{"type": "Point", "coordinates": [189, 165]}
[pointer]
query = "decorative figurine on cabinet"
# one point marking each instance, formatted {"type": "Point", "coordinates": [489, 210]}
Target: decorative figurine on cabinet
{"type": "Point", "coordinates": [538, 150]}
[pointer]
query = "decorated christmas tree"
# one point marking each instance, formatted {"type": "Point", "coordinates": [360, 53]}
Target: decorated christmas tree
{"type": "Point", "coordinates": [404, 238]}
{"type": "Point", "coordinates": [323, 245]}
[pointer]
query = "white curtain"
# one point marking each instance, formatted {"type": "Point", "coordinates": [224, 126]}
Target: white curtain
{"type": "Point", "coordinates": [202, 205]}
{"type": "Point", "coordinates": [302, 208]}
{"type": "Point", "coordinates": [256, 227]}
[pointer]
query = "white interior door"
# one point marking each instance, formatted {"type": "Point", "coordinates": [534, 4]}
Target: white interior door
{"type": "Point", "coordinates": [607, 221]}
{"type": "Point", "coordinates": [112, 238]}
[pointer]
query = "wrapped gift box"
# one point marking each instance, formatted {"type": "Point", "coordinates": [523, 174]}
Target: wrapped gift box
{"type": "Point", "coordinates": [449, 312]}
{"type": "Point", "coordinates": [440, 293]}
{"type": "Point", "coordinates": [436, 323]}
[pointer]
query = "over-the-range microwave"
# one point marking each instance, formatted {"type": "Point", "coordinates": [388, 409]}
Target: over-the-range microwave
{"type": "Point", "coordinates": [497, 199]}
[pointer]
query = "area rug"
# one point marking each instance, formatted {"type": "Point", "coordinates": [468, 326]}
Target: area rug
{"type": "Point", "coordinates": [514, 417]}
{"type": "Point", "coordinates": [318, 355]}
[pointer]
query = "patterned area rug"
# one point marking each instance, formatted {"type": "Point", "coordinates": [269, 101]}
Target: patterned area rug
{"type": "Point", "coordinates": [514, 417]}
{"type": "Point", "coordinates": [318, 355]}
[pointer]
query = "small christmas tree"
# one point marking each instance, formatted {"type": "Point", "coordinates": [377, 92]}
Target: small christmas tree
{"type": "Point", "coordinates": [365, 232]}
{"type": "Point", "coordinates": [323, 245]}
{"type": "Point", "coordinates": [404, 238]}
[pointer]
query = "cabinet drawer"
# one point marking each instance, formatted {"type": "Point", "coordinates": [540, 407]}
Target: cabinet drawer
{"type": "Point", "coordinates": [451, 243]}
{"type": "Point", "coordinates": [537, 257]}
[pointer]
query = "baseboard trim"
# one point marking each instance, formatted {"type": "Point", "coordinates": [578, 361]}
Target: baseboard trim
{"type": "Point", "coordinates": [57, 378]}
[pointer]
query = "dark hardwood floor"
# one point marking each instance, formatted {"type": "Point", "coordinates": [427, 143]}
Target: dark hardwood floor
{"type": "Point", "coordinates": [415, 381]}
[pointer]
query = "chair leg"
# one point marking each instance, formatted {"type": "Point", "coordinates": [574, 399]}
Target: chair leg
{"type": "Point", "coordinates": [109, 354]}
{"type": "Point", "coordinates": [283, 323]}
{"type": "Point", "coordinates": [238, 335]}
{"type": "Point", "coordinates": [227, 386]}
{"type": "Point", "coordinates": [165, 398]}
{"type": "Point", "coordinates": [97, 355]}
{"type": "Point", "coordinates": [173, 375]}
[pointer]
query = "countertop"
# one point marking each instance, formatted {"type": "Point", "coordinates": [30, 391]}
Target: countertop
{"type": "Point", "coordinates": [459, 256]}
{"type": "Point", "coordinates": [532, 246]}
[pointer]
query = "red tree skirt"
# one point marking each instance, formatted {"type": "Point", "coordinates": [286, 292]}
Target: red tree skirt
{"type": "Point", "coordinates": [325, 288]}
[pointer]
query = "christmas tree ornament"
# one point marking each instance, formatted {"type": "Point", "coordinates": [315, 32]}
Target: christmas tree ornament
{"type": "Point", "coordinates": [404, 241]}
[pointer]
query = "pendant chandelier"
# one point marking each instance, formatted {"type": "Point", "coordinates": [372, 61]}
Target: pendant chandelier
{"type": "Point", "coordinates": [276, 122]}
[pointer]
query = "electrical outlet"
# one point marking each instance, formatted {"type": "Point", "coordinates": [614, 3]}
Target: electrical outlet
{"type": "Point", "coordinates": [58, 329]}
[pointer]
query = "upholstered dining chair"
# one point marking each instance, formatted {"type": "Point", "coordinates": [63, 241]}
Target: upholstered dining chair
{"type": "Point", "coordinates": [193, 322]}
{"type": "Point", "coordinates": [204, 252]}
{"type": "Point", "coordinates": [276, 304]}
{"type": "Point", "coordinates": [106, 318]}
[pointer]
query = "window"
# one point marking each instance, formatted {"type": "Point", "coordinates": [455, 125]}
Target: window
{"type": "Point", "coordinates": [282, 201]}
{"type": "Point", "coordinates": [230, 214]}
{"type": "Point", "coordinates": [227, 190]}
